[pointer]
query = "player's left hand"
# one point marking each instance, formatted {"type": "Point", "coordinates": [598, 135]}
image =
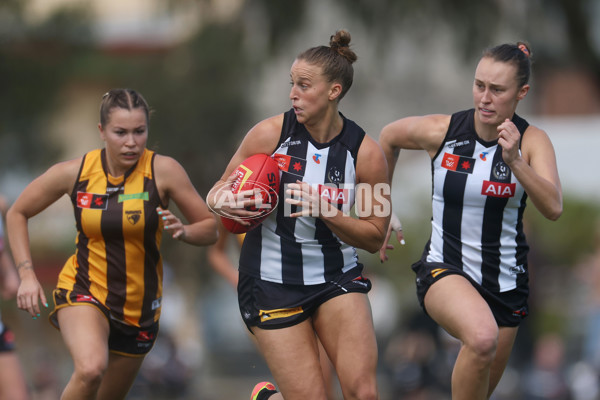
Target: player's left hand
{"type": "Point", "coordinates": [172, 223]}
{"type": "Point", "coordinates": [509, 138]}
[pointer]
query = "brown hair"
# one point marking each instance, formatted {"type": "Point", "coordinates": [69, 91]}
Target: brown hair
{"type": "Point", "coordinates": [518, 54]}
{"type": "Point", "coordinates": [335, 59]}
{"type": "Point", "coordinates": [128, 99]}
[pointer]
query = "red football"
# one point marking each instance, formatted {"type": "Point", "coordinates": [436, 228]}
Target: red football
{"type": "Point", "coordinates": [261, 172]}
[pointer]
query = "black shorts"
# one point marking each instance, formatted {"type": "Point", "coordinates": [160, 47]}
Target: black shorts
{"type": "Point", "coordinates": [7, 340]}
{"type": "Point", "coordinates": [123, 339]}
{"type": "Point", "coordinates": [270, 305]}
{"type": "Point", "coordinates": [509, 308]}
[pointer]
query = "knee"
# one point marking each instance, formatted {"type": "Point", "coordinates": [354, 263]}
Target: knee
{"type": "Point", "coordinates": [90, 373]}
{"type": "Point", "coordinates": [483, 343]}
{"type": "Point", "coordinates": [362, 390]}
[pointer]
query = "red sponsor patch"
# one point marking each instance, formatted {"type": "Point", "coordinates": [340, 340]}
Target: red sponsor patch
{"type": "Point", "coordinates": [457, 163]}
{"type": "Point", "coordinates": [291, 164]}
{"type": "Point", "coordinates": [92, 200]}
{"type": "Point", "coordinates": [498, 189]}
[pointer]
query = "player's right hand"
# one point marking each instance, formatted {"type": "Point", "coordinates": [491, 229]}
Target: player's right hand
{"type": "Point", "coordinates": [29, 295]}
{"type": "Point", "coordinates": [395, 225]}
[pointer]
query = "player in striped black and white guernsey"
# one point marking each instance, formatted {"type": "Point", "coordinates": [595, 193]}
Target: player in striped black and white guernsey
{"type": "Point", "coordinates": [472, 278]}
{"type": "Point", "coordinates": [299, 270]}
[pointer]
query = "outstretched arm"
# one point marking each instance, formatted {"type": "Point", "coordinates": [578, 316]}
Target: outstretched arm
{"type": "Point", "coordinates": [412, 133]}
{"type": "Point", "coordinates": [174, 184]}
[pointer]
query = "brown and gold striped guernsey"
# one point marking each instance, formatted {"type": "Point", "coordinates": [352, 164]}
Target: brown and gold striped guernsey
{"type": "Point", "coordinates": [119, 233]}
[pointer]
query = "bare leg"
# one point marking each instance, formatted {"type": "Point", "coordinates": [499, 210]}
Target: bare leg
{"type": "Point", "coordinates": [12, 380]}
{"type": "Point", "coordinates": [457, 306]}
{"type": "Point", "coordinates": [344, 325]}
{"type": "Point", "coordinates": [119, 376]}
{"type": "Point", "coordinates": [328, 372]}
{"type": "Point", "coordinates": [506, 341]}
{"type": "Point", "coordinates": [293, 357]}
{"type": "Point", "coordinates": [85, 332]}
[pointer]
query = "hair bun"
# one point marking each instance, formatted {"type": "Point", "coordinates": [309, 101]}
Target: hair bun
{"type": "Point", "coordinates": [524, 48]}
{"type": "Point", "coordinates": [340, 43]}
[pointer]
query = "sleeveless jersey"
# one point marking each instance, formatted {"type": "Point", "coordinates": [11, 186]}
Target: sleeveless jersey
{"type": "Point", "coordinates": [477, 208]}
{"type": "Point", "coordinates": [118, 239]}
{"type": "Point", "coordinates": [303, 250]}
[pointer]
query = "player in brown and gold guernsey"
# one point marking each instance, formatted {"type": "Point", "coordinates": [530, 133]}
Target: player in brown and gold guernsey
{"type": "Point", "coordinates": [120, 195]}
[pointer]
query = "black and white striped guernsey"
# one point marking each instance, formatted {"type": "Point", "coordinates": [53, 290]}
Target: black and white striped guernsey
{"type": "Point", "coordinates": [478, 208]}
{"type": "Point", "coordinates": [304, 251]}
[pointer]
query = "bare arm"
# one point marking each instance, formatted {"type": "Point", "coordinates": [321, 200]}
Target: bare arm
{"type": "Point", "coordinates": [262, 138]}
{"type": "Point", "coordinates": [368, 231]}
{"type": "Point", "coordinates": [413, 133]}
{"type": "Point", "coordinates": [535, 167]}
{"type": "Point", "coordinates": [57, 181]}
{"type": "Point", "coordinates": [174, 183]}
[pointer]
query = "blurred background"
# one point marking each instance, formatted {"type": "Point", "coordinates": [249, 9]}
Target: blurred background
{"type": "Point", "coordinates": [211, 69]}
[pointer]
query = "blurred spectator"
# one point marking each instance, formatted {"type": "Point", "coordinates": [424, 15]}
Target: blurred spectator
{"type": "Point", "coordinates": [419, 361]}
{"type": "Point", "coordinates": [589, 274]}
{"type": "Point", "coordinates": [164, 375]}
{"type": "Point", "coordinates": [546, 378]}
{"type": "Point", "coordinates": [45, 381]}
{"type": "Point", "coordinates": [12, 380]}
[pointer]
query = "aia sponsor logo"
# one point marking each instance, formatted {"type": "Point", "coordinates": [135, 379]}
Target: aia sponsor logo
{"type": "Point", "coordinates": [334, 195]}
{"type": "Point", "coordinates": [498, 189]}
{"type": "Point", "coordinates": [370, 200]}
{"type": "Point", "coordinates": [458, 163]}
{"type": "Point", "coordinates": [92, 200]}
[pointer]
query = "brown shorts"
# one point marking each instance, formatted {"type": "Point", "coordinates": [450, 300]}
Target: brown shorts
{"type": "Point", "coordinates": [124, 339]}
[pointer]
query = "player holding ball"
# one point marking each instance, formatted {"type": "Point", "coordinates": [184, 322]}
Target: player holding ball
{"type": "Point", "coordinates": [300, 279]}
